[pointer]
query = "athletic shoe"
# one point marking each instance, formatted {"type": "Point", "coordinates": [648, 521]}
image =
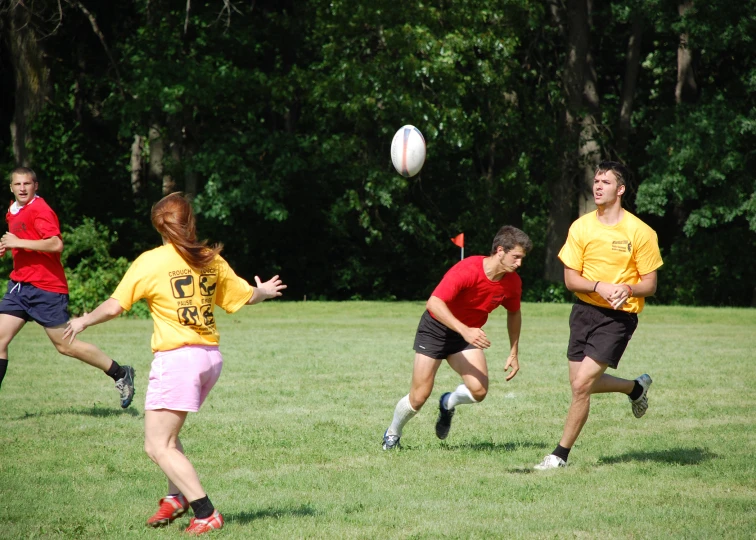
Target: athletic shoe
{"type": "Point", "coordinates": [444, 418]}
{"type": "Point", "coordinates": [171, 507]}
{"type": "Point", "coordinates": [125, 385]}
{"type": "Point", "coordinates": [640, 405]}
{"type": "Point", "coordinates": [202, 526]}
{"type": "Point", "coordinates": [390, 441]}
{"type": "Point", "coordinates": [550, 462]}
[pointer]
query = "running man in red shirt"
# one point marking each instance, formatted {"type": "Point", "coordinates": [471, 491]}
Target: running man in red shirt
{"type": "Point", "coordinates": [37, 289]}
{"type": "Point", "coordinates": [452, 329]}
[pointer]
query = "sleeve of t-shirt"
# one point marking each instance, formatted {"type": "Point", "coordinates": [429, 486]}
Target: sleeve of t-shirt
{"type": "Point", "coordinates": [46, 224]}
{"type": "Point", "coordinates": [232, 292]}
{"type": "Point", "coordinates": [512, 302]}
{"type": "Point", "coordinates": [571, 253]}
{"type": "Point", "coordinates": [133, 285]}
{"type": "Point", "coordinates": [455, 280]}
{"type": "Point", "coordinates": [647, 254]}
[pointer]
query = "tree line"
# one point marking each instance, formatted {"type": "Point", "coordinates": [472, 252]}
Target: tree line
{"type": "Point", "coordinates": [277, 117]}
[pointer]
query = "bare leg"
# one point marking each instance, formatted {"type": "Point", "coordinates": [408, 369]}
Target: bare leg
{"type": "Point", "coordinates": [81, 350]}
{"type": "Point", "coordinates": [583, 377]}
{"type": "Point", "coordinates": [471, 366]}
{"type": "Point", "coordinates": [9, 327]}
{"type": "Point", "coordinates": [423, 377]}
{"type": "Point", "coordinates": [161, 442]}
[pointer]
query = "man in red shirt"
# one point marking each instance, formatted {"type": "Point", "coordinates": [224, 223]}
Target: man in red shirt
{"type": "Point", "coordinates": [451, 330]}
{"type": "Point", "coordinates": [37, 289]}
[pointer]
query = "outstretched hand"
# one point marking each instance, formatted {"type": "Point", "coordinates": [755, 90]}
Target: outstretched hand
{"type": "Point", "coordinates": [74, 327]}
{"type": "Point", "coordinates": [270, 289]}
{"type": "Point", "coordinates": [514, 363]}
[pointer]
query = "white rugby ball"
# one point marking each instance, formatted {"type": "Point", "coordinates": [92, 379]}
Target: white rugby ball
{"type": "Point", "coordinates": [408, 151]}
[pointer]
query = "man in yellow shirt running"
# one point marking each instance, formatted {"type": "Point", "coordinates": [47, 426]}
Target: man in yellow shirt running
{"type": "Point", "coordinates": [610, 262]}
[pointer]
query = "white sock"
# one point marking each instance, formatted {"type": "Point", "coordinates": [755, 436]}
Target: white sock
{"type": "Point", "coordinates": [402, 414]}
{"type": "Point", "coordinates": [460, 396]}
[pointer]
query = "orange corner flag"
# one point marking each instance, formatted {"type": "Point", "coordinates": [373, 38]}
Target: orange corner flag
{"type": "Point", "coordinates": [459, 240]}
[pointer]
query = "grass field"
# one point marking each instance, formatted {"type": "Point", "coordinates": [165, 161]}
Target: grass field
{"type": "Point", "coordinates": [288, 443]}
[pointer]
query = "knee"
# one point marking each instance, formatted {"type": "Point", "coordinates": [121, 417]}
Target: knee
{"type": "Point", "coordinates": [479, 394]}
{"type": "Point", "coordinates": [418, 398]}
{"type": "Point", "coordinates": [152, 450]}
{"type": "Point", "coordinates": [581, 388]}
{"type": "Point", "coordinates": [65, 349]}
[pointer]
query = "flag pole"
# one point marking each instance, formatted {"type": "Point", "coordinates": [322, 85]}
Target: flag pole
{"type": "Point", "coordinates": [459, 241]}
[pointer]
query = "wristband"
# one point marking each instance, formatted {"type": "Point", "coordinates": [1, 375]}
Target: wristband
{"type": "Point", "coordinates": [595, 286]}
{"type": "Point", "coordinates": [629, 290]}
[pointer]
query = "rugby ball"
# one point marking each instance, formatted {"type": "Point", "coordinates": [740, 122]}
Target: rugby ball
{"type": "Point", "coordinates": [408, 151]}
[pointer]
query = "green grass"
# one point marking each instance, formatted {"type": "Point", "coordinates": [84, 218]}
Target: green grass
{"type": "Point", "coordinates": [287, 444]}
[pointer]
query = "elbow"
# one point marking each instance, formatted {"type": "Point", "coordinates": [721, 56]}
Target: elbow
{"type": "Point", "coordinates": [58, 245]}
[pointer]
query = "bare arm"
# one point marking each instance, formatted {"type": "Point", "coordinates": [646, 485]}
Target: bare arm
{"type": "Point", "coordinates": [514, 325]}
{"type": "Point", "coordinates": [474, 336]}
{"type": "Point", "coordinates": [109, 309]}
{"type": "Point", "coordinates": [47, 245]}
{"type": "Point", "coordinates": [263, 291]}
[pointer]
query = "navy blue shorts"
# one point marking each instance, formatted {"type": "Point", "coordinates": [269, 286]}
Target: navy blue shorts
{"type": "Point", "coordinates": [30, 303]}
{"type": "Point", "coordinates": [437, 340]}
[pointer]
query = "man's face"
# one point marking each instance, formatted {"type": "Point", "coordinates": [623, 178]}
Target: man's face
{"type": "Point", "coordinates": [511, 260]}
{"type": "Point", "coordinates": [606, 191]}
{"type": "Point", "coordinates": [23, 188]}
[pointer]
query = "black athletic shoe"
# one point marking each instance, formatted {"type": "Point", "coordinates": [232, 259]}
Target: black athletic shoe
{"type": "Point", "coordinates": [125, 386]}
{"type": "Point", "coordinates": [444, 418]}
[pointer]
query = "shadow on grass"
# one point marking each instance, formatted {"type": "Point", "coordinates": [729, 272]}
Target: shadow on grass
{"type": "Point", "coordinates": [276, 513]}
{"type": "Point", "coordinates": [95, 411]}
{"type": "Point", "coordinates": [492, 447]}
{"type": "Point", "coordinates": [675, 456]}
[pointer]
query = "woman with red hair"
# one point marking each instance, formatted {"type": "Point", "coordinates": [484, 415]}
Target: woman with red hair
{"type": "Point", "coordinates": [182, 281]}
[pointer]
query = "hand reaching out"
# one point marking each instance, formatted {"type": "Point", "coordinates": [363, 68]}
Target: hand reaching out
{"type": "Point", "coordinates": [270, 289]}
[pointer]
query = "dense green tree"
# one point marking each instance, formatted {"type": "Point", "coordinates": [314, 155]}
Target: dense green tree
{"type": "Point", "coordinates": [278, 115]}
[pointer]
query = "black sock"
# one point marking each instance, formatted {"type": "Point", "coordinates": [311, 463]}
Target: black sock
{"type": "Point", "coordinates": [115, 372]}
{"type": "Point", "coordinates": [637, 391]}
{"type": "Point", "coordinates": [3, 369]}
{"type": "Point", "coordinates": [562, 452]}
{"type": "Point", "coordinates": [202, 508]}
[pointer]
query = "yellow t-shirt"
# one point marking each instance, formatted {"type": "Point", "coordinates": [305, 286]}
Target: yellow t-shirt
{"type": "Point", "coordinates": [618, 253]}
{"type": "Point", "coordinates": [181, 300]}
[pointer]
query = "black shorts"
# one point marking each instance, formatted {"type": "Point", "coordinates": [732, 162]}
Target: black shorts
{"type": "Point", "coordinates": [437, 340]}
{"type": "Point", "coordinates": [30, 303]}
{"type": "Point", "coordinates": [601, 333]}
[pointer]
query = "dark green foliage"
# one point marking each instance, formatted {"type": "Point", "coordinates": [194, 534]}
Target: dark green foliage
{"type": "Point", "coordinates": [284, 111]}
{"type": "Point", "coordinates": [92, 272]}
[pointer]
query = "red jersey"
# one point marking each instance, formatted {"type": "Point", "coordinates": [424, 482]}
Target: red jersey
{"type": "Point", "coordinates": [37, 221]}
{"type": "Point", "coordinates": [471, 296]}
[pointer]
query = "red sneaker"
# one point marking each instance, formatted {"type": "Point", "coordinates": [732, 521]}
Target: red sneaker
{"type": "Point", "coordinates": [201, 526]}
{"type": "Point", "coordinates": [171, 507]}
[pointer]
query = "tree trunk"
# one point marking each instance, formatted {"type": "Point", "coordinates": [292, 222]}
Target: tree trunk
{"type": "Point", "coordinates": [32, 78]}
{"type": "Point", "coordinates": [137, 149]}
{"type": "Point", "coordinates": [686, 90]}
{"type": "Point", "coordinates": [590, 151]}
{"type": "Point", "coordinates": [157, 151]}
{"type": "Point", "coordinates": [573, 22]}
{"type": "Point", "coordinates": [632, 66]}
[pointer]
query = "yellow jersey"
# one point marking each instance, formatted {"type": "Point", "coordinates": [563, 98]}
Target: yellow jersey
{"type": "Point", "coordinates": [618, 253]}
{"type": "Point", "coordinates": [181, 300]}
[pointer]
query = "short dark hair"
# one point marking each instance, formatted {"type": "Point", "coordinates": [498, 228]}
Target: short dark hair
{"type": "Point", "coordinates": [621, 172]}
{"type": "Point", "coordinates": [26, 171]}
{"type": "Point", "coordinates": [510, 237]}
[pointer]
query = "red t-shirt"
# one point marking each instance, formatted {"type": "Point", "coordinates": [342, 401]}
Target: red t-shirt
{"type": "Point", "coordinates": [37, 221]}
{"type": "Point", "coordinates": [471, 296]}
